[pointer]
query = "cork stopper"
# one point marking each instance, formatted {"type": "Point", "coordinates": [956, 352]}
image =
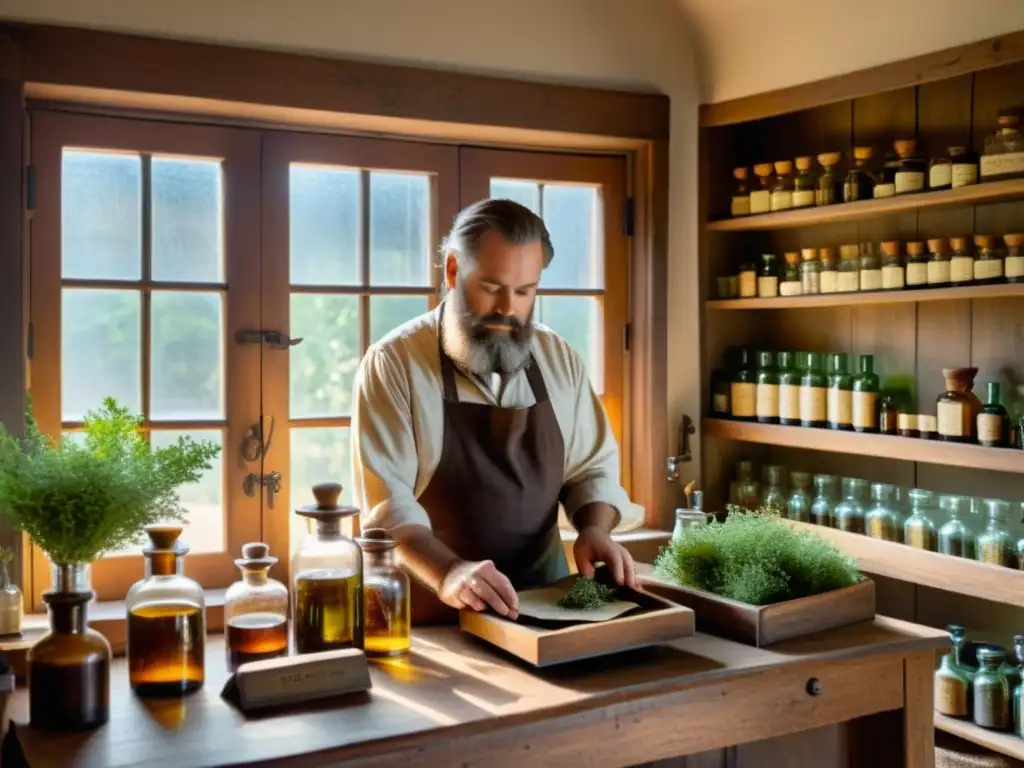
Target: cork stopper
{"type": "Point", "coordinates": [739, 173]}
{"type": "Point", "coordinates": [958, 243]}
{"type": "Point", "coordinates": [1008, 118]}
{"type": "Point", "coordinates": [862, 153]}
{"type": "Point", "coordinates": [827, 254]}
{"type": "Point", "coordinates": [809, 254]}
{"type": "Point", "coordinates": [163, 536]}
{"type": "Point", "coordinates": [905, 147]}
{"type": "Point", "coordinates": [1014, 241]}
{"type": "Point", "coordinates": [985, 241]}
{"type": "Point", "coordinates": [764, 170]}
{"type": "Point", "coordinates": [255, 555]}
{"type": "Point", "coordinates": [891, 247]}
{"type": "Point", "coordinates": [829, 159]}
{"type": "Point", "coordinates": [959, 379]}
{"type": "Point", "coordinates": [326, 510]}
{"type": "Point", "coordinates": [783, 167]}
{"type": "Point", "coordinates": [849, 251]}
{"type": "Point", "coordinates": [936, 245]}
{"type": "Point", "coordinates": [792, 258]}
{"type": "Point", "coordinates": [906, 421]}
{"type": "Point", "coordinates": [803, 163]}
{"type": "Point", "coordinates": [376, 540]}
{"type": "Point", "coordinates": [915, 248]}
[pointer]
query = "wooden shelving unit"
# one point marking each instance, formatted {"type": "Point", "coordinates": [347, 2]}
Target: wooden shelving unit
{"type": "Point", "coordinates": [1003, 743]}
{"type": "Point", "coordinates": [876, 297]}
{"type": "Point", "coordinates": [881, 446]}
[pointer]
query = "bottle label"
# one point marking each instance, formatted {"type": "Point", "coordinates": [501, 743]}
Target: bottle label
{"type": "Point", "coordinates": [840, 406]}
{"type": "Point", "coordinates": [892, 277]}
{"type": "Point", "coordinates": [950, 695]}
{"type": "Point", "coordinates": [748, 284]}
{"type": "Point", "coordinates": [789, 402]}
{"type": "Point", "coordinates": [885, 190]}
{"type": "Point", "coordinates": [803, 198]}
{"type": "Point", "coordinates": [829, 282]}
{"type": "Point", "coordinates": [909, 181]}
{"type": "Point", "coordinates": [720, 403]}
{"type": "Point", "coordinates": [760, 201]}
{"type": "Point", "coordinates": [767, 287]}
{"type": "Point", "coordinates": [812, 403]}
{"type": "Point", "coordinates": [961, 269]}
{"type": "Point", "coordinates": [938, 272]}
{"type": "Point", "coordinates": [1015, 266]}
{"type": "Point", "coordinates": [847, 282]}
{"type": "Point", "coordinates": [987, 269]}
{"type": "Point", "coordinates": [741, 205]}
{"type": "Point", "coordinates": [865, 414]}
{"type": "Point", "coordinates": [951, 419]}
{"type": "Point", "coordinates": [964, 174]}
{"type": "Point", "coordinates": [940, 175]}
{"type": "Point", "coordinates": [871, 279]}
{"type": "Point", "coordinates": [791, 288]}
{"type": "Point", "coordinates": [917, 273]}
{"type": "Point", "coordinates": [1002, 165]}
{"type": "Point", "coordinates": [742, 397]}
{"type": "Point", "coordinates": [990, 428]}
{"type": "Point", "coordinates": [767, 401]}
{"type": "Point", "coordinates": [782, 200]}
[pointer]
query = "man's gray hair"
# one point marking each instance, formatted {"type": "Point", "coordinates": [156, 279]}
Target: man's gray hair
{"type": "Point", "coordinates": [514, 222]}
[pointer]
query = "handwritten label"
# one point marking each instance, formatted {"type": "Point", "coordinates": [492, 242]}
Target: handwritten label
{"type": "Point", "coordinates": [840, 407]}
{"type": "Point", "coordinates": [741, 205]}
{"type": "Point", "coordinates": [865, 414]}
{"type": "Point", "coordinates": [767, 287]}
{"type": "Point", "coordinates": [789, 402]}
{"type": "Point", "coordinates": [990, 428]}
{"type": "Point", "coordinates": [909, 181]}
{"type": "Point", "coordinates": [767, 401]}
{"type": "Point", "coordinates": [885, 190]}
{"type": "Point", "coordinates": [951, 419]}
{"type": "Point", "coordinates": [791, 288]}
{"type": "Point", "coordinates": [812, 404]}
{"type": "Point", "coordinates": [781, 200]}
{"type": "Point", "coordinates": [829, 282]}
{"type": "Point", "coordinates": [748, 284]}
{"type": "Point", "coordinates": [964, 174]}
{"type": "Point", "coordinates": [961, 269]}
{"type": "Point", "coordinates": [847, 282]}
{"type": "Point", "coordinates": [1015, 266]}
{"type": "Point", "coordinates": [743, 398]}
{"type": "Point", "coordinates": [803, 198]}
{"type": "Point", "coordinates": [988, 269]}
{"type": "Point", "coordinates": [1002, 165]}
{"type": "Point", "coordinates": [940, 175]}
{"type": "Point", "coordinates": [917, 273]}
{"type": "Point", "coordinates": [938, 272]}
{"type": "Point", "coordinates": [760, 201]}
{"type": "Point", "coordinates": [720, 404]}
{"type": "Point", "coordinates": [871, 279]}
{"type": "Point", "coordinates": [892, 277]}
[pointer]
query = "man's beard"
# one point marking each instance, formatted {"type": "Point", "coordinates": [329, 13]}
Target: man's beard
{"type": "Point", "coordinates": [479, 349]}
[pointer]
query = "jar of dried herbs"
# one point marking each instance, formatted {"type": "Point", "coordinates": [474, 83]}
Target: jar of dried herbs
{"type": "Point", "coordinates": [988, 266]}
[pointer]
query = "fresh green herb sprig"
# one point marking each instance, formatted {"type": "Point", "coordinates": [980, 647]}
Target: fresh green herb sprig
{"type": "Point", "coordinates": [6, 555]}
{"type": "Point", "coordinates": [586, 595]}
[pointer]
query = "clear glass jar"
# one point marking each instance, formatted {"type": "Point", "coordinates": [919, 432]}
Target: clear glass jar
{"type": "Point", "coordinates": [882, 520]}
{"type": "Point", "coordinates": [1013, 264]}
{"type": "Point", "coordinates": [743, 389]}
{"type": "Point", "coordinates": [1004, 150]}
{"type": "Point", "coordinates": [741, 193]}
{"type": "Point", "coordinates": [848, 279]}
{"type": "Point", "coordinates": [166, 634]}
{"type": "Point", "coordinates": [839, 408]}
{"type": "Point", "coordinates": [774, 494]}
{"type": "Point", "coordinates": [940, 172]}
{"type": "Point", "coordinates": [798, 505]}
{"type": "Point", "coordinates": [909, 176]}
{"type": "Point", "coordinates": [870, 268]}
{"type": "Point", "coordinates": [767, 389]}
{"type": "Point", "coordinates": [995, 544]}
{"type": "Point", "coordinates": [964, 170]}
{"type": "Point", "coordinates": [813, 393]}
{"type": "Point", "coordinates": [955, 536]}
{"type": "Point", "coordinates": [826, 192]}
{"type": "Point", "coordinates": [804, 186]}
{"type": "Point", "coordinates": [988, 266]}
{"type": "Point", "coordinates": [791, 285]}
{"type": "Point", "coordinates": [255, 610]}
{"type": "Point", "coordinates": [917, 265]}
{"type": "Point", "coordinates": [768, 277]}
{"type": "Point", "coordinates": [893, 273]}
{"type": "Point", "coordinates": [939, 272]}
{"type": "Point", "coordinates": [327, 578]}
{"type": "Point", "coordinates": [953, 681]}
{"type": "Point", "coordinates": [991, 691]}
{"type": "Point", "coordinates": [824, 504]}
{"type": "Point", "coordinates": [761, 194]}
{"type": "Point", "coordinates": [11, 603]}
{"type": "Point", "coordinates": [782, 192]}
{"type": "Point", "coordinates": [850, 511]}
{"type": "Point", "coordinates": [810, 272]}
{"type": "Point", "coordinates": [919, 530]}
{"type": "Point", "coordinates": [961, 262]}
{"type": "Point", "coordinates": [859, 183]}
{"type": "Point", "coordinates": [747, 280]}
{"type": "Point", "coordinates": [386, 596]}
{"type": "Point", "coordinates": [828, 277]}
{"type": "Point", "coordinates": [885, 181]}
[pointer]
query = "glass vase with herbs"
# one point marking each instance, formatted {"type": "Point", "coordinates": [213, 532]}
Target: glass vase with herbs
{"type": "Point", "coordinates": [798, 505]}
{"type": "Point", "coordinates": [828, 273]}
{"type": "Point", "coordinates": [995, 545]}
{"type": "Point", "coordinates": [851, 510]}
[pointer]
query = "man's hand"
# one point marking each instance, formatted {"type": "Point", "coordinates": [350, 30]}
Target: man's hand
{"type": "Point", "coordinates": [478, 585]}
{"type": "Point", "coordinates": [594, 545]}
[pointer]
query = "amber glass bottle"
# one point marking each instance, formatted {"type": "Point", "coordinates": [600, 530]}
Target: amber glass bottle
{"type": "Point", "coordinates": [958, 406]}
{"type": "Point", "coordinates": [255, 610]}
{"type": "Point", "coordinates": [386, 596]}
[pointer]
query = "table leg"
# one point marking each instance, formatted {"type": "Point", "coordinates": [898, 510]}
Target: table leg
{"type": "Point", "coordinates": [918, 711]}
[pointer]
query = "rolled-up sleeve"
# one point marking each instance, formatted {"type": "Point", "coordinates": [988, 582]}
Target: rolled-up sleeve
{"type": "Point", "coordinates": [384, 459]}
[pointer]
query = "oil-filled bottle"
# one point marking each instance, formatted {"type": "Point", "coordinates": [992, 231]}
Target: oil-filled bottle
{"type": "Point", "coordinates": [255, 610]}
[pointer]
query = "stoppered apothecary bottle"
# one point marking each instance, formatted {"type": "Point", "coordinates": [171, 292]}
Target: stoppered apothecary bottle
{"type": "Point", "coordinates": [824, 503]}
{"type": "Point", "coordinates": [255, 610]}
{"type": "Point", "coordinates": [995, 545]}
{"type": "Point", "coordinates": [991, 691]}
{"type": "Point", "coordinates": [741, 193]}
{"type": "Point", "coordinates": [993, 420]}
{"type": "Point", "coordinates": [909, 177]}
{"type": "Point", "coordinates": [798, 505]}
{"type": "Point", "coordinates": [767, 389]}
{"type": "Point", "coordinates": [917, 265]}
{"type": "Point", "coordinates": [327, 573]}
{"type": "Point", "coordinates": [988, 264]}
{"type": "Point", "coordinates": [768, 277]}
{"type": "Point", "coordinates": [1013, 264]}
{"type": "Point", "coordinates": [859, 183]}
{"type": "Point", "coordinates": [955, 536]}
{"type": "Point", "coordinates": [957, 408]}
{"type": "Point", "coordinates": [885, 179]}
{"type": "Point", "coordinates": [789, 390]}
{"type": "Point", "coordinates": [839, 409]}
{"type": "Point", "coordinates": [804, 186]}
{"type": "Point", "coordinates": [782, 192]}
{"type": "Point", "coordinates": [743, 392]}
{"type": "Point", "coordinates": [938, 264]}
{"type": "Point", "coordinates": [848, 277]}
{"type": "Point", "coordinates": [888, 414]}
{"type": "Point", "coordinates": [952, 680]}
{"type": "Point", "coordinates": [810, 272]}
{"type": "Point", "coordinates": [965, 166]}
{"type": "Point", "coordinates": [850, 511]}
{"type": "Point", "coordinates": [828, 278]}
{"type": "Point", "coordinates": [865, 396]}
{"type": "Point", "coordinates": [747, 279]}
{"type": "Point", "coordinates": [166, 620]}
{"type": "Point", "coordinates": [827, 191]}
{"type": "Point", "coordinates": [893, 274]}
{"type": "Point", "coordinates": [919, 530]}
{"type": "Point", "coordinates": [790, 285]}
{"type": "Point", "coordinates": [773, 494]}
{"type": "Point", "coordinates": [961, 261]}
{"type": "Point", "coordinates": [870, 268]}
{"type": "Point", "coordinates": [761, 193]}
{"type": "Point", "coordinates": [883, 520]}
{"type": "Point", "coordinates": [385, 596]}
{"type": "Point", "coordinates": [813, 393]}
{"type": "Point", "coordinates": [1004, 150]}
{"type": "Point", "coordinates": [940, 172]}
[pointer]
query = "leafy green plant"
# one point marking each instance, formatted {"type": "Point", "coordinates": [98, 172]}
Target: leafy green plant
{"type": "Point", "coordinates": [6, 555]}
{"type": "Point", "coordinates": [754, 558]}
{"type": "Point", "coordinates": [585, 595]}
{"type": "Point", "coordinates": [79, 499]}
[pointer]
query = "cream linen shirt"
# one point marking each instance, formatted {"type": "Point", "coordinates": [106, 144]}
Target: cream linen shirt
{"type": "Point", "coordinates": [398, 424]}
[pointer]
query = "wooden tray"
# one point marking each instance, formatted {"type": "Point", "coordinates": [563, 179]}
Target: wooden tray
{"type": "Point", "coordinates": [761, 625]}
{"type": "Point", "coordinates": [657, 621]}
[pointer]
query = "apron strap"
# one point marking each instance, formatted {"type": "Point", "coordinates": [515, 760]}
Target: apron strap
{"type": "Point", "coordinates": [536, 379]}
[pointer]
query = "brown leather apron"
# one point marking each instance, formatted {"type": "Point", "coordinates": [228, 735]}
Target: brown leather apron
{"type": "Point", "coordinates": [495, 492]}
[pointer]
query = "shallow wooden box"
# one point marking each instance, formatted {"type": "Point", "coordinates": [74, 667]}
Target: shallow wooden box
{"type": "Point", "coordinates": [761, 625]}
{"type": "Point", "coordinates": [657, 621]}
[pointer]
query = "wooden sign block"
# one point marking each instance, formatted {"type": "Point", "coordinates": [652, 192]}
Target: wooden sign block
{"type": "Point", "coordinates": [297, 679]}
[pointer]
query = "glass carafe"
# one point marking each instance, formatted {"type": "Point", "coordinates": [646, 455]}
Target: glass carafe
{"type": "Point", "coordinates": [166, 620]}
{"type": "Point", "coordinates": [823, 506]}
{"type": "Point", "coordinates": [882, 520]}
{"type": "Point", "coordinates": [952, 681]}
{"type": "Point", "coordinates": [995, 545]}
{"type": "Point", "coordinates": [774, 495]}
{"type": "Point", "coordinates": [327, 578]}
{"type": "Point", "coordinates": [850, 511]}
{"type": "Point", "coordinates": [385, 596]}
{"type": "Point", "coordinates": [991, 691]}
{"type": "Point", "coordinates": [955, 537]}
{"type": "Point", "coordinates": [255, 610]}
{"type": "Point", "coordinates": [798, 505]}
{"type": "Point", "coordinates": [919, 531]}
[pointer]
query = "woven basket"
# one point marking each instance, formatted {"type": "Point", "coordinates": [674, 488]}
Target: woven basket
{"type": "Point", "coordinates": [952, 752]}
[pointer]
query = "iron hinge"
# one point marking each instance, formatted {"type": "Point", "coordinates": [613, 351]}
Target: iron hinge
{"type": "Point", "coordinates": [30, 187]}
{"type": "Point", "coordinates": [628, 216]}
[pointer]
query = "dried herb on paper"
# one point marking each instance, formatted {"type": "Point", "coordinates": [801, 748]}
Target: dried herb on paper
{"type": "Point", "coordinates": [586, 595]}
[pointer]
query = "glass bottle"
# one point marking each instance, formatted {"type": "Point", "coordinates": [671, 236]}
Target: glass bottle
{"type": "Point", "coordinates": [917, 265]}
{"type": "Point", "coordinates": [961, 262]}
{"type": "Point", "coordinates": [919, 530]}
{"type": "Point", "coordinates": [958, 407]}
{"type": "Point", "coordinates": [69, 668]}
{"type": "Point", "coordinates": [782, 192]}
{"type": "Point", "coordinates": [953, 681]}
{"type": "Point", "coordinates": [955, 536]}
{"type": "Point", "coordinates": [828, 184]}
{"type": "Point", "coordinates": [839, 409]}
{"type": "Point", "coordinates": [988, 266]}
{"type": "Point", "coordinates": [848, 279]}
{"type": "Point", "coordinates": [940, 172]}
{"type": "Point", "coordinates": [859, 184]}
{"type": "Point", "coordinates": [798, 505]}
{"type": "Point", "coordinates": [1013, 263]}
{"type": "Point", "coordinates": [1004, 150]}
{"type": "Point", "coordinates": [1011, 666]}
{"type": "Point", "coordinates": [823, 506]}
{"type": "Point", "coordinates": [888, 414]}
{"type": "Point", "coordinates": [773, 494]}
{"type": "Point", "coordinates": [768, 277]}
{"type": "Point", "coordinates": [991, 691]}
{"type": "Point", "coordinates": [927, 426]}
{"type": "Point", "coordinates": [1017, 703]}
{"type": "Point", "coordinates": [789, 391]}
{"type": "Point", "coordinates": [906, 425]}
{"type": "Point", "coordinates": [767, 390]}
{"type": "Point", "coordinates": [804, 186]}
{"type": "Point", "coordinates": [828, 278]}
{"type": "Point", "coordinates": [995, 545]}
{"type": "Point", "coordinates": [893, 274]}
{"type": "Point", "coordinates": [721, 383]}
{"type": "Point", "coordinates": [885, 181]}
{"type": "Point", "coordinates": [686, 518]}
{"type": "Point", "coordinates": [965, 166]}
{"type": "Point", "coordinates": [870, 268]}
{"type": "Point", "coordinates": [810, 272]}
{"type": "Point", "coordinates": [993, 420]}
{"type": "Point", "coordinates": [741, 193]}
{"type": "Point", "coordinates": [761, 194]}
{"type": "Point", "coordinates": [882, 520]}
{"type": "Point", "coordinates": [327, 574]}
{"type": "Point", "coordinates": [385, 596]}
{"type": "Point", "coordinates": [865, 396]}
{"type": "Point", "coordinates": [747, 280]}
{"type": "Point", "coordinates": [850, 511]}
{"type": "Point", "coordinates": [939, 272]}
{"type": "Point", "coordinates": [166, 620]}
{"type": "Point", "coordinates": [743, 391]}
{"type": "Point", "coordinates": [255, 610]}
{"type": "Point", "coordinates": [813, 393]}
{"type": "Point", "coordinates": [790, 285]}
{"type": "Point", "coordinates": [910, 172]}
{"type": "Point", "coordinates": [11, 603]}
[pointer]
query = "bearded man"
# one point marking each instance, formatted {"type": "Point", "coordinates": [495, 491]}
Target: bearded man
{"type": "Point", "coordinates": [471, 424]}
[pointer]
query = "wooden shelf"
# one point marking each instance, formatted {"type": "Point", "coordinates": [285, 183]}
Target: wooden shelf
{"type": "Point", "coordinates": [1003, 743]}
{"type": "Point", "coordinates": [873, 297]}
{"type": "Point", "coordinates": [881, 446]}
{"type": "Point", "coordinates": [977, 194]}
{"type": "Point", "coordinates": [930, 569]}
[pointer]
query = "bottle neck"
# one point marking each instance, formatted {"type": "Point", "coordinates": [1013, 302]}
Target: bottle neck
{"type": "Point", "coordinates": [256, 577]}
{"type": "Point", "coordinates": [164, 563]}
{"type": "Point", "coordinates": [386, 558]}
{"type": "Point", "coordinates": [67, 618]}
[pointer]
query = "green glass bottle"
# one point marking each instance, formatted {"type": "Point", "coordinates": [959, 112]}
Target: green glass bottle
{"type": "Point", "coordinates": [767, 392]}
{"type": "Point", "coordinates": [865, 396]}
{"type": "Point", "coordinates": [789, 390]}
{"type": "Point", "coordinates": [993, 420]}
{"type": "Point", "coordinates": [840, 393]}
{"type": "Point", "coordinates": [952, 681]}
{"type": "Point", "coordinates": [743, 391]}
{"type": "Point", "coordinates": [813, 393]}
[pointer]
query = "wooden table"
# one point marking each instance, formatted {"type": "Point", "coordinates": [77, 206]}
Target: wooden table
{"type": "Point", "coordinates": [454, 701]}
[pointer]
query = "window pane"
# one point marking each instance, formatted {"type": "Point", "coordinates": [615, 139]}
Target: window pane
{"type": "Point", "coordinates": [577, 319]}
{"type": "Point", "coordinates": [400, 251]}
{"type": "Point", "coordinates": [318, 455]}
{"type": "Point", "coordinates": [571, 215]}
{"type": "Point", "coordinates": [324, 364]}
{"type": "Point", "coordinates": [101, 215]}
{"type": "Point", "coordinates": [186, 368]}
{"type": "Point", "coordinates": [324, 225]}
{"type": "Point", "coordinates": [100, 350]}
{"type": "Point", "coordinates": [389, 312]}
{"type": "Point", "coordinates": [523, 192]}
{"type": "Point", "coordinates": [187, 220]}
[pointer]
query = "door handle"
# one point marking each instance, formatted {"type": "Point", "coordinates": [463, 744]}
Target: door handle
{"type": "Point", "coordinates": [273, 339]}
